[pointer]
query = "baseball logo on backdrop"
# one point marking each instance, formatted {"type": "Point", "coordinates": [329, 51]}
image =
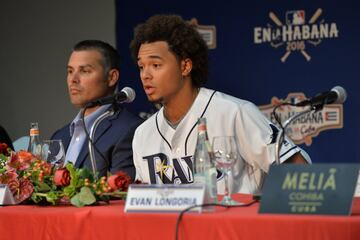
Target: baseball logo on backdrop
{"type": "Point", "coordinates": [207, 32]}
{"type": "Point", "coordinates": [296, 34]}
{"type": "Point", "coordinates": [303, 129]}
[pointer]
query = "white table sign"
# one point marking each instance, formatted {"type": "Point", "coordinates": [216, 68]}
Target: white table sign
{"type": "Point", "coordinates": [163, 197]}
{"type": "Point", "coordinates": [6, 197]}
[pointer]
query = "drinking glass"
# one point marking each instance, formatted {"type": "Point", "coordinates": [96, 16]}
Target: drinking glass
{"type": "Point", "coordinates": [52, 151]}
{"type": "Point", "coordinates": [226, 155]}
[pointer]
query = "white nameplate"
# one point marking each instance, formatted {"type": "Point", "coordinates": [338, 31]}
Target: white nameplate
{"type": "Point", "coordinates": [6, 197]}
{"type": "Point", "coordinates": [163, 197]}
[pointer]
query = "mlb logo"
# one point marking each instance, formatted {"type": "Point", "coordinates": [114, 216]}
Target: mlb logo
{"type": "Point", "coordinates": [296, 17]}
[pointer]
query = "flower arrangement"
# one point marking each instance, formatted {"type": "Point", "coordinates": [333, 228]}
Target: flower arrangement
{"type": "Point", "coordinates": [34, 180]}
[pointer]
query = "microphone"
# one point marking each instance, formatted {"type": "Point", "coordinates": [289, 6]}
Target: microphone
{"type": "Point", "coordinates": [335, 95]}
{"type": "Point", "coordinates": [127, 94]}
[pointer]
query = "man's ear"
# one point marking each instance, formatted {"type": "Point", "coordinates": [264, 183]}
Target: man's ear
{"type": "Point", "coordinates": [186, 67]}
{"type": "Point", "coordinates": [113, 77]}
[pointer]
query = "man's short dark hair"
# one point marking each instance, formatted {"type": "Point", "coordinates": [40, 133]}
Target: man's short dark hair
{"type": "Point", "coordinates": [111, 58]}
{"type": "Point", "coordinates": [183, 40]}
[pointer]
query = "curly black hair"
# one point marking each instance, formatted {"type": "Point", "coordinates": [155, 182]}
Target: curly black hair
{"type": "Point", "coordinates": [183, 40]}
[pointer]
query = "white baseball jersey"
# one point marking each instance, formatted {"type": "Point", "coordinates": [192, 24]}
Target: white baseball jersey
{"type": "Point", "coordinates": [165, 155]}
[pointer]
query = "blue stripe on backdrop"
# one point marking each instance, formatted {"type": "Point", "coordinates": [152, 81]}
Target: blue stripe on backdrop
{"type": "Point", "coordinates": [251, 71]}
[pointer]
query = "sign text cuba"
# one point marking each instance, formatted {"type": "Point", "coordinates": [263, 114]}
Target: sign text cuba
{"type": "Point", "coordinates": [306, 189]}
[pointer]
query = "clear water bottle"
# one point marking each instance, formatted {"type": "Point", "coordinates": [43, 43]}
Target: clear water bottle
{"type": "Point", "coordinates": [34, 141]}
{"type": "Point", "coordinates": [204, 167]}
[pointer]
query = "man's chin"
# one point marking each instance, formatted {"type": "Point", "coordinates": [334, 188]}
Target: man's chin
{"type": "Point", "coordinates": [78, 104]}
{"type": "Point", "coordinates": [156, 100]}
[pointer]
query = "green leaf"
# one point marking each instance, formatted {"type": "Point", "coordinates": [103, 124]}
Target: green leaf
{"type": "Point", "coordinates": [35, 198]}
{"type": "Point", "coordinates": [75, 200]}
{"type": "Point", "coordinates": [75, 181]}
{"type": "Point", "coordinates": [86, 173]}
{"type": "Point", "coordinates": [51, 197]}
{"type": "Point", "coordinates": [43, 187]}
{"type": "Point", "coordinates": [73, 174]}
{"type": "Point", "coordinates": [70, 191]}
{"type": "Point", "coordinates": [86, 196]}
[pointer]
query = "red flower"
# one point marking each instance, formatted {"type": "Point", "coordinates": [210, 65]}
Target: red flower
{"type": "Point", "coordinates": [4, 149]}
{"type": "Point", "coordinates": [62, 177]}
{"type": "Point", "coordinates": [21, 190]}
{"type": "Point", "coordinates": [8, 176]}
{"type": "Point", "coordinates": [13, 185]}
{"type": "Point", "coordinates": [25, 190]}
{"type": "Point", "coordinates": [21, 160]}
{"type": "Point", "coordinates": [119, 181]}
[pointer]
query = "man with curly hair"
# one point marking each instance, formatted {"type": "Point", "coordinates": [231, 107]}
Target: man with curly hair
{"type": "Point", "coordinates": [173, 62]}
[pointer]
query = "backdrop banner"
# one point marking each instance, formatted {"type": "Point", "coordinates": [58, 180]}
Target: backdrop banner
{"type": "Point", "coordinates": [266, 52]}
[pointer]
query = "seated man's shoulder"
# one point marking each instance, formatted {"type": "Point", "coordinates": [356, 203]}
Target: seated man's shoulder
{"type": "Point", "coordinates": [62, 132]}
{"type": "Point", "coordinates": [128, 117]}
{"type": "Point", "coordinates": [147, 125]}
{"type": "Point", "coordinates": [225, 102]}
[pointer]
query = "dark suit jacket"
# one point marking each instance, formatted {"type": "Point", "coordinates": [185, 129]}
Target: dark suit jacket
{"type": "Point", "coordinates": [113, 138]}
{"type": "Point", "coordinates": [4, 138]}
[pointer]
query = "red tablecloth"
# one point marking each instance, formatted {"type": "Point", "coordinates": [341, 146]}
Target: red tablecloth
{"type": "Point", "coordinates": [110, 222]}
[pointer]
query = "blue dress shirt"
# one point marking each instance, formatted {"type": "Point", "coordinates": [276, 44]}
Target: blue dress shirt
{"type": "Point", "coordinates": [78, 135]}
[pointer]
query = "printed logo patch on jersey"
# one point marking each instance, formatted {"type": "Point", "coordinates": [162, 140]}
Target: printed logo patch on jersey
{"type": "Point", "coordinates": [164, 170]}
{"type": "Point", "coordinates": [174, 171]}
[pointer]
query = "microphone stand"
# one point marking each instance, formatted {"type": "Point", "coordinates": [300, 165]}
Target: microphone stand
{"type": "Point", "coordinates": [92, 135]}
{"type": "Point", "coordinates": [280, 136]}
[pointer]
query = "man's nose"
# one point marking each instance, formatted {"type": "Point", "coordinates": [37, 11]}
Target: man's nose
{"type": "Point", "coordinates": [74, 77]}
{"type": "Point", "coordinates": [145, 74]}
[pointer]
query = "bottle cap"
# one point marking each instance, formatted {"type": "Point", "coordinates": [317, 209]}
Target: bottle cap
{"type": "Point", "coordinates": [202, 124]}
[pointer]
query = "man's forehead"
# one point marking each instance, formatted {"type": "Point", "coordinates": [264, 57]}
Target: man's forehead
{"type": "Point", "coordinates": [86, 65]}
{"type": "Point", "coordinates": [154, 50]}
{"type": "Point", "coordinates": [84, 59]}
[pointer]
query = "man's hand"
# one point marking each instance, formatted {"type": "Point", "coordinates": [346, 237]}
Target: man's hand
{"type": "Point", "coordinates": [297, 159]}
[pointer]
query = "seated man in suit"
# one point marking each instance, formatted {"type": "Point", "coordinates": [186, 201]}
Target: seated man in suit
{"type": "Point", "coordinates": [93, 73]}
